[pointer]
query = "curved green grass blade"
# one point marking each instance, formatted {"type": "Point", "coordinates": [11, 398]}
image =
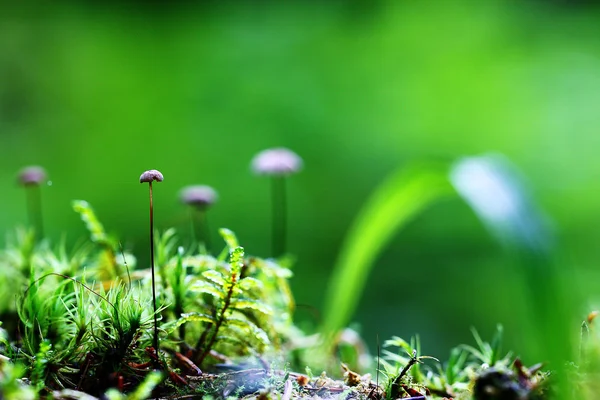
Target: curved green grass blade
{"type": "Point", "coordinates": [402, 196]}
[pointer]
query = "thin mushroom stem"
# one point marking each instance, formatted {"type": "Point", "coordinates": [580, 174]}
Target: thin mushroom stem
{"type": "Point", "coordinates": [278, 219]}
{"type": "Point", "coordinates": [199, 198]}
{"type": "Point", "coordinates": [152, 268]}
{"type": "Point", "coordinates": [193, 227]}
{"type": "Point", "coordinates": [204, 233]}
{"type": "Point", "coordinates": [34, 209]}
{"type": "Point", "coordinates": [31, 178]}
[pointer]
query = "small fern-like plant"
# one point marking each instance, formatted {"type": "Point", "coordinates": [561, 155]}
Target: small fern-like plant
{"type": "Point", "coordinates": [403, 369]}
{"type": "Point", "coordinates": [228, 304]}
{"type": "Point", "coordinates": [85, 321]}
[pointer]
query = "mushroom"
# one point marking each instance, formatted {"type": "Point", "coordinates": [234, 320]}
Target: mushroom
{"type": "Point", "coordinates": [149, 177]}
{"type": "Point", "coordinates": [199, 198]}
{"type": "Point", "coordinates": [277, 163]}
{"type": "Point", "coordinates": [31, 178]}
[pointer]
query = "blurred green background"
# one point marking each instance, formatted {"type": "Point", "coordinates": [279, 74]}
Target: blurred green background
{"type": "Point", "coordinates": [99, 92]}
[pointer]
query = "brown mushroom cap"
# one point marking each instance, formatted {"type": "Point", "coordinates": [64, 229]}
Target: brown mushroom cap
{"type": "Point", "coordinates": [276, 161]}
{"type": "Point", "coordinates": [32, 175]}
{"type": "Point", "coordinates": [151, 176]}
{"type": "Point", "coordinates": [198, 195]}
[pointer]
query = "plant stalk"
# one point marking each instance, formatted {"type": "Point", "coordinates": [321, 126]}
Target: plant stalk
{"type": "Point", "coordinates": [218, 324]}
{"type": "Point", "coordinates": [200, 227]}
{"type": "Point", "coordinates": [396, 384]}
{"type": "Point", "coordinates": [193, 227]}
{"type": "Point", "coordinates": [34, 209]}
{"type": "Point", "coordinates": [152, 268]}
{"type": "Point", "coordinates": [278, 219]}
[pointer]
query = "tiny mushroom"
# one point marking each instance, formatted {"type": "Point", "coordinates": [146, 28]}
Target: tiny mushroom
{"type": "Point", "coordinates": [198, 195]}
{"type": "Point", "coordinates": [199, 198]}
{"type": "Point", "coordinates": [151, 176]}
{"type": "Point", "coordinates": [276, 161]}
{"type": "Point", "coordinates": [31, 178]}
{"type": "Point", "coordinates": [32, 175]}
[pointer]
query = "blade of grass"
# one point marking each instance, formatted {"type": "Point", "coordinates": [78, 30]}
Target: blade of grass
{"type": "Point", "coordinates": [401, 197]}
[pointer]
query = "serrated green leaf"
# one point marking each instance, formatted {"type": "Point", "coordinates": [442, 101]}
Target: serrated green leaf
{"type": "Point", "coordinates": [236, 257]}
{"type": "Point", "coordinates": [272, 268]}
{"type": "Point", "coordinates": [201, 262]}
{"type": "Point", "coordinates": [252, 305]}
{"type": "Point", "coordinates": [231, 339]}
{"type": "Point", "coordinates": [215, 276]}
{"type": "Point", "coordinates": [236, 291]}
{"type": "Point", "coordinates": [249, 283]}
{"type": "Point", "coordinates": [246, 327]}
{"type": "Point", "coordinates": [185, 318]}
{"type": "Point", "coordinates": [206, 287]}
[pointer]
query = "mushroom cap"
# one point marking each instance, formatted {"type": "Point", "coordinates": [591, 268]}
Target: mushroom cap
{"type": "Point", "coordinates": [198, 195]}
{"type": "Point", "coordinates": [151, 175]}
{"type": "Point", "coordinates": [276, 161]}
{"type": "Point", "coordinates": [32, 175]}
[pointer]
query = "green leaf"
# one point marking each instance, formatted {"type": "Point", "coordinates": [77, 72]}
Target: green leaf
{"type": "Point", "coordinates": [271, 268]}
{"type": "Point", "coordinates": [165, 246]}
{"type": "Point", "coordinates": [215, 276]}
{"type": "Point", "coordinates": [237, 256]}
{"type": "Point", "coordinates": [144, 389]}
{"type": "Point", "coordinates": [399, 199]}
{"type": "Point", "coordinates": [232, 339]}
{"type": "Point", "coordinates": [253, 305]}
{"type": "Point", "coordinates": [236, 260]}
{"type": "Point", "coordinates": [249, 283]}
{"type": "Point", "coordinates": [208, 288]}
{"type": "Point", "coordinates": [496, 345]}
{"type": "Point", "coordinates": [396, 358]}
{"type": "Point", "coordinates": [428, 358]}
{"type": "Point", "coordinates": [185, 318]}
{"type": "Point", "coordinates": [398, 342]}
{"type": "Point", "coordinates": [177, 276]}
{"type": "Point", "coordinates": [246, 327]}
{"type": "Point", "coordinates": [456, 364]}
{"type": "Point", "coordinates": [229, 238]}
{"type": "Point", "coordinates": [474, 352]}
{"type": "Point", "coordinates": [483, 346]}
{"type": "Point", "coordinates": [93, 225]}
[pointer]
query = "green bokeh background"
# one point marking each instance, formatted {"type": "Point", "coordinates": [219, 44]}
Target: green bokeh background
{"type": "Point", "coordinates": [99, 92]}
